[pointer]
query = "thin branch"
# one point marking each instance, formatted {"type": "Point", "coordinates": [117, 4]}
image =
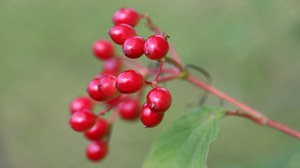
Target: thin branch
{"type": "Point", "coordinates": [260, 117]}
{"type": "Point", "coordinates": [113, 116]}
{"type": "Point", "coordinates": [159, 69]}
{"type": "Point", "coordinates": [285, 129]}
{"type": "Point", "coordinates": [270, 123]}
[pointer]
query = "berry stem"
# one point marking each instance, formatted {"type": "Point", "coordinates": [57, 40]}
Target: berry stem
{"type": "Point", "coordinates": [113, 116]}
{"type": "Point", "coordinates": [109, 107]}
{"type": "Point", "coordinates": [159, 69]}
{"type": "Point", "coordinates": [169, 77]}
{"type": "Point", "coordinates": [165, 70]}
{"type": "Point", "coordinates": [105, 110]}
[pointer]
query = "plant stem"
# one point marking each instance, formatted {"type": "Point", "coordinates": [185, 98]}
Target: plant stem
{"type": "Point", "coordinates": [270, 123]}
{"type": "Point", "coordinates": [113, 116]}
{"type": "Point", "coordinates": [159, 70]}
{"type": "Point", "coordinates": [261, 118]}
{"type": "Point", "coordinates": [285, 129]}
{"type": "Point", "coordinates": [169, 77]}
{"type": "Point", "coordinates": [248, 112]}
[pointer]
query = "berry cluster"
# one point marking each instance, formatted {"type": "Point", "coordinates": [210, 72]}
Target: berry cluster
{"type": "Point", "coordinates": [121, 84]}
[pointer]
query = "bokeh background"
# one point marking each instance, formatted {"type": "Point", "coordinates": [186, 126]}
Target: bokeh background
{"type": "Point", "coordinates": [250, 47]}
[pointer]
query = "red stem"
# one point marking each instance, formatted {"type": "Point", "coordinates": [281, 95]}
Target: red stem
{"type": "Point", "coordinates": [283, 128]}
{"type": "Point", "coordinates": [159, 70]}
{"type": "Point", "coordinates": [262, 119]}
{"type": "Point", "coordinates": [248, 111]}
{"type": "Point", "coordinates": [169, 77]}
{"type": "Point", "coordinates": [113, 116]}
{"type": "Point", "coordinates": [269, 123]}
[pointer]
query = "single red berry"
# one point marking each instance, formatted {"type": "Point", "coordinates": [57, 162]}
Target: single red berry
{"type": "Point", "coordinates": [129, 109]}
{"type": "Point", "coordinates": [159, 99]}
{"type": "Point", "coordinates": [93, 90]}
{"type": "Point", "coordinates": [96, 150]}
{"type": "Point", "coordinates": [98, 131]}
{"type": "Point", "coordinates": [134, 47]}
{"type": "Point", "coordinates": [150, 118]}
{"type": "Point", "coordinates": [129, 81]}
{"type": "Point", "coordinates": [156, 47]}
{"type": "Point", "coordinates": [120, 33]}
{"type": "Point", "coordinates": [81, 103]}
{"type": "Point", "coordinates": [112, 66]}
{"type": "Point", "coordinates": [103, 49]}
{"type": "Point", "coordinates": [126, 16]}
{"type": "Point", "coordinates": [107, 87]}
{"type": "Point", "coordinates": [82, 120]}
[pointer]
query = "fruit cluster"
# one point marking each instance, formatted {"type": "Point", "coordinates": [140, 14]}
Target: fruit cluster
{"type": "Point", "coordinates": [121, 84]}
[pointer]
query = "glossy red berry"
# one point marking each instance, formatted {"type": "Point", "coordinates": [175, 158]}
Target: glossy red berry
{"type": "Point", "coordinates": [156, 47]}
{"type": "Point", "coordinates": [93, 90]}
{"type": "Point", "coordinates": [126, 16]}
{"type": "Point", "coordinates": [98, 131]}
{"type": "Point", "coordinates": [96, 150]}
{"type": "Point", "coordinates": [159, 99]}
{"type": "Point", "coordinates": [150, 118]}
{"type": "Point", "coordinates": [103, 49]}
{"type": "Point", "coordinates": [134, 47]}
{"type": "Point", "coordinates": [129, 81]}
{"type": "Point", "coordinates": [82, 120]}
{"type": "Point", "coordinates": [112, 66]}
{"type": "Point", "coordinates": [129, 109]}
{"type": "Point", "coordinates": [81, 103]}
{"type": "Point", "coordinates": [107, 87]}
{"type": "Point", "coordinates": [120, 33]}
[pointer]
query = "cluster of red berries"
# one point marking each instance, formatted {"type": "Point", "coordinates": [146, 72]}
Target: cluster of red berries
{"type": "Point", "coordinates": [120, 90]}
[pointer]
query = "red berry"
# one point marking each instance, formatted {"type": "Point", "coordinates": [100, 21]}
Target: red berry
{"type": "Point", "coordinates": [156, 47]}
{"type": "Point", "coordinates": [96, 150]}
{"type": "Point", "coordinates": [159, 99]}
{"type": "Point", "coordinates": [81, 103]}
{"type": "Point", "coordinates": [103, 49]}
{"type": "Point", "coordinates": [112, 66]}
{"type": "Point", "coordinates": [129, 81]}
{"type": "Point", "coordinates": [150, 118]}
{"type": "Point", "coordinates": [82, 120]}
{"type": "Point", "coordinates": [134, 47]}
{"type": "Point", "coordinates": [120, 33]}
{"type": "Point", "coordinates": [93, 90]}
{"type": "Point", "coordinates": [98, 131]}
{"type": "Point", "coordinates": [129, 109]}
{"type": "Point", "coordinates": [107, 87]}
{"type": "Point", "coordinates": [126, 16]}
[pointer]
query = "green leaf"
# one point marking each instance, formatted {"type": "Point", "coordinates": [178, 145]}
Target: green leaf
{"type": "Point", "coordinates": [185, 143]}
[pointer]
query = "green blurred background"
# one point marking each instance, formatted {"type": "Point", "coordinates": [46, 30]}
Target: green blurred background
{"type": "Point", "coordinates": [250, 47]}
